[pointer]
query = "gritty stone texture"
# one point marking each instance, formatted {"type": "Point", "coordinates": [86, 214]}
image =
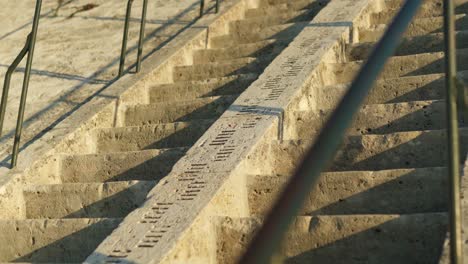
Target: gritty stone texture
{"type": "Point", "coordinates": [216, 157]}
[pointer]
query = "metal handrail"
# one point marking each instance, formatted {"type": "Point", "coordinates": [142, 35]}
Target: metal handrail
{"type": "Point", "coordinates": [123, 53]}
{"type": "Point", "coordinates": [29, 50]}
{"type": "Point", "coordinates": [202, 7]}
{"type": "Point", "coordinates": [268, 239]}
{"type": "Point", "coordinates": [454, 100]}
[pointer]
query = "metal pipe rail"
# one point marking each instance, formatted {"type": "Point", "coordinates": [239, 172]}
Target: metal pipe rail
{"type": "Point", "coordinates": [29, 50]}
{"type": "Point", "coordinates": [268, 239]}
{"type": "Point", "coordinates": [202, 7]}
{"type": "Point", "coordinates": [454, 98]}
{"type": "Point", "coordinates": [123, 53]}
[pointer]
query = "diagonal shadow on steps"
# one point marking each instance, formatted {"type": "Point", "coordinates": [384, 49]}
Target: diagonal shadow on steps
{"type": "Point", "coordinates": [73, 248]}
{"type": "Point", "coordinates": [379, 244]}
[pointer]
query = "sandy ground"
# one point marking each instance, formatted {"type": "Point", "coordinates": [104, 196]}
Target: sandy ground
{"type": "Point", "coordinates": [75, 57]}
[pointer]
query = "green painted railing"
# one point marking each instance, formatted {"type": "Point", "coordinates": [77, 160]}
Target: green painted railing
{"type": "Point", "coordinates": [267, 241]}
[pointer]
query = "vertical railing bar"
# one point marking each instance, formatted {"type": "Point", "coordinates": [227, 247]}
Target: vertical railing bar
{"type": "Point", "coordinates": [27, 75]}
{"type": "Point", "coordinates": [202, 7]}
{"type": "Point", "coordinates": [6, 84]}
{"type": "Point", "coordinates": [142, 35]}
{"type": "Point", "coordinates": [217, 6]}
{"type": "Point", "coordinates": [456, 250]}
{"type": "Point", "coordinates": [269, 237]}
{"type": "Point", "coordinates": [123, 52]}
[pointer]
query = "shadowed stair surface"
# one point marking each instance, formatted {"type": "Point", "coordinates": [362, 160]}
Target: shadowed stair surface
{"type": "Point", "coordinates": [384, 197]}
{"type": "Point", "coordinates": [94, 190]}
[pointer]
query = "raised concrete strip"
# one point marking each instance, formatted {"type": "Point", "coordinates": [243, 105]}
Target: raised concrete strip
{"type": "Point", "coordinates": [38, 159]}
{"type": "Point", "coordinates": [173, 226]}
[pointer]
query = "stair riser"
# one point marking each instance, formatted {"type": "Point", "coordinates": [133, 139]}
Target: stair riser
{"type": "Point", "coordinates": [46, 241]}
{"type": "Point", "coordinates": [263, 22]}
{"type": "Point", "coordinates": [143, 165]}
{"type": "Point", "coordinates": [114, 200]}
{"type": "Point", "coordinates": [158, 137]}
{"type": "Point", "coordinates": [208, 108]}
{"type": "Point", "coordinates": [344, 239]}
{"type": "Point", "coordinates": [190, 90]}
{"type": "Point", "coordinates": [281, 32]}
{"type": "Point", "coordinates": [399, 192]}
{"type": "Point", "coordinates": [417, 28]}
{"type": "Point", "coordinates": [373, 152]}
{"type": "Point", "coordinates": [428, 9]}
{"type": "Point", "coordinates": [420, 64]}
{"type": "Point", "coordinates": [372, 119]}
{"type": "Point", "coordinates": [259, 50]}
{"type": "Point", "coordinates": [209, 71]}
{"type": "Point", "coordinates": [268, 10]}
{"type": "Point", "coordinates": [420, 44]}
{"type": "Point", "coordinates": [296, 5]}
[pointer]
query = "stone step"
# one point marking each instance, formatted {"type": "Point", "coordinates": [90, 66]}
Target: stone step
{"type": "Point", "coordinates": [410, 45]}
{"type": "Point", "coordinates": [52, 240]}
{"type": "Point", "coordinates": [386, 239]}
{"type": "Point", "coordinates": [181, 111]}
{"type": "Point", "coordinates": [401, 191]}
{"type": "Point", "coordinates": [394, 90]}
{"type": "Point", "coordinates": [220, 69]}
{"type": "Point", "coordinates": [285, 32]}
{"type": "Point", "coordinates": [147, 165]}
{"type": "Point", "coordinates": [427, 9]}
{"type": "Point", "coordinates": [183, 91]}
{"type": "Point", "coordinates": [85, 200]}
{"type": "Point", "coordinates": [278, 9]}
{"type": "Point", "coordinates": [257, 49]}
{"type": "Point", "coordinates": [284, 17]}
{"type": "Point", "coordinates": [397, 66]}
{"type": "Point", "coordinates": [170, 135]}
{"type": "Point", "coordinates": [418, 27]}
{"type": "Point", "coordinates": [296, 4]}
{"type": "Point", "coordinates": [415, 149]}
{"type": "Point", "coordinates": [373, 119]}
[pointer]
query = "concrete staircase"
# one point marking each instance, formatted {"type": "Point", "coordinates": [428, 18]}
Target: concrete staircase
{"type": "Point", "coordinates": [384, 197]}
{"type": "Point", "coordinates": [66, 220]}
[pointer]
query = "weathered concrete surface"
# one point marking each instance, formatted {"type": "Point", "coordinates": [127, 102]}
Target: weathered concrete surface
{"type": "Point", "coordinates": [36, 240]}
{"type": "Point", "coordinates": [76, 57]}
{"type": "Point", "coordinates": [343, 238]}
{"type": "Point", "coordinates": [207, 182]}
{"type": "Point", "coordinates": [106, 167]}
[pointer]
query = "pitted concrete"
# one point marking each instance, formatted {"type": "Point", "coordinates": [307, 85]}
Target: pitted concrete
{"type": "Point", "coordinates": [204, 183]}
{"type": "Point", "coordinates": [106, 169]}
{"type": "Point", "coordinates": [213, 189]}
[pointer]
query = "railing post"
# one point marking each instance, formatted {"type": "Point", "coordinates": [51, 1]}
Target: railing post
{"type": "Point", "coordinates": [123, 52]}
{"type": "Point", "coordinates": [27, 75]}
{"type": "Point", "coordinates": [217, 6]}
{"type": "Point", "coordinates": [456, 250]}
{"type": "Point", "coordinates": [142, 34]}
{"type": "Point", "coordinates": [202, 7]}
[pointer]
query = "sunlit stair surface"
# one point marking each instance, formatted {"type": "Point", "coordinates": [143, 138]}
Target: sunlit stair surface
{"type": "Point", "coordinates": [384, 197]}
{"type": "Point", "coordinates": [66, 221]}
